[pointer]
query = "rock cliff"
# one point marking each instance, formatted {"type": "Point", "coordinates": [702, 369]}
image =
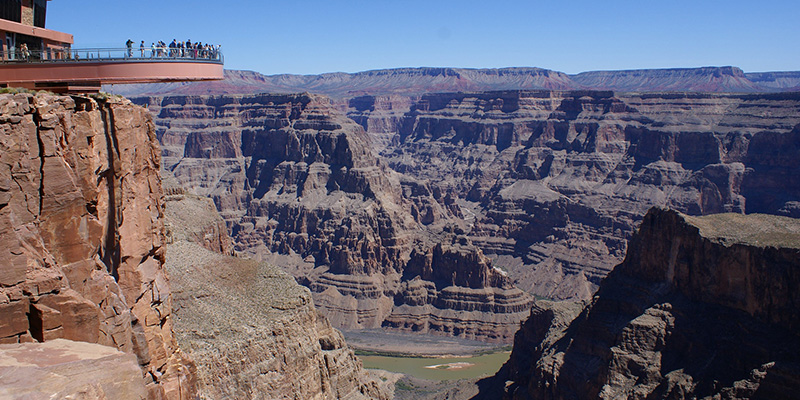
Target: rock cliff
{"type": "Point", "coordinates": [252, 330]}
{"type": "Point", "coordinates": [81, 233]}
{"type": "Point", "coordinates": [702, 307]}
{"type": "Point", "coordinates": [294, 177]}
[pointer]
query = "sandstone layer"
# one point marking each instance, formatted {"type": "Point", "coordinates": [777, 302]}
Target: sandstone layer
{"type": "Point", "coordinates": [702, 307]}
{"type": "Point", "coordinates": [252, 330]}
{"type": "Point", "coordinates": [81, 232]}
{"type": "Point", "coordinates": [298, 184]}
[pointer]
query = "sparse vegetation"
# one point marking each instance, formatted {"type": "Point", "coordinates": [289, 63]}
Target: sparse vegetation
{"type": "Point", "coordinates": [401, 385]}
{"type": "Point", "coordinates": [14, 90]}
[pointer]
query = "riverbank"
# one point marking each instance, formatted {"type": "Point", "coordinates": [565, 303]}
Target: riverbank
{"type": "Point", "coordinates": [440, 368]}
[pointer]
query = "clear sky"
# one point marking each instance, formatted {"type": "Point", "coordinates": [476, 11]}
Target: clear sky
{"type": "Point", "coordinates": [316, 36]}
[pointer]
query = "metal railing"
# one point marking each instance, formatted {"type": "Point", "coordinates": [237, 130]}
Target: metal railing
{"type": "Point", "coordinates": [116, 55]}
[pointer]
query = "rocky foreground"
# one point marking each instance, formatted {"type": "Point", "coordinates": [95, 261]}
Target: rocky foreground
{"type": "Point", "coordinates": [82, 242]}
{"type": "Point", "coordinates": [702, 307]}
{"type": "Point", "coordinates": [86, 305]}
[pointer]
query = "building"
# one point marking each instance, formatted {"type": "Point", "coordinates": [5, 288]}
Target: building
{"type": "Point", "coordinates": [34, 57]}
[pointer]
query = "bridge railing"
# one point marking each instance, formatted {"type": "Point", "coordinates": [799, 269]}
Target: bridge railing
{"type": "Point", "coordinates": [111, 54]}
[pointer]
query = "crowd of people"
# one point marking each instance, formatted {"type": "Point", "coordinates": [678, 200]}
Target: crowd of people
{"type": "Point", "coordinates": [176, 49]}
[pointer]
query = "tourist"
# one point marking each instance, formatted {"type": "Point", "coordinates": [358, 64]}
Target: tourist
{"type": "Point", "coordinates": [152, 49]}
{"type": "Point", "coordinates": [141, 49]}
{"type": "Point", "coordinates": [129, 45]}
{"type": "Point", "coordinates": [25, 52]}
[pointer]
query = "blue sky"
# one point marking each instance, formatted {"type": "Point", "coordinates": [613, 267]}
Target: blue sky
{"type": "Point", "coordinates": [310, 36]}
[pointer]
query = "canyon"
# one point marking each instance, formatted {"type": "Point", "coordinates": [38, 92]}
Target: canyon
{"type": "Point", "coordinates": [449, 213]}
{"type": "Point", "coordinates": [485, 213]}
{"type": "Point", "coordinates": [294, 178]}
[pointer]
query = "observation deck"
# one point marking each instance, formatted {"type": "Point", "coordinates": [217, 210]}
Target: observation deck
{"type": "Point", "coordinates": [85, 70]}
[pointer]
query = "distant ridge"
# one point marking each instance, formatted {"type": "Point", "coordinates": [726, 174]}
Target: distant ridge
{"type": "Point", "coordinates": [789, 80]}
{"type": "Point", "coordinates": [417, 81]}
{"type": "Point", "coordinates": [410, 81]}
{"type": "Point", "coordinates": [705, 79]}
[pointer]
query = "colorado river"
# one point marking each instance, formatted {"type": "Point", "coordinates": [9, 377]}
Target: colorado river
{"type": "Point", "coordinates": [439, 368]}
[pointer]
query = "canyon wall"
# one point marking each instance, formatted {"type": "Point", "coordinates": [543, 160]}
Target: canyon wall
{"type": "Point", "coordinates": [298, 185]}
{"type": "Point", "coordinates": [531, 190]}
{"type": "Point", "coordinates": [252, 330]}
{"type": "Point", "coordinates": [702, 307]}
{"type": "Point", "coordinates": [82, 237]}
{"type": "Point", "coordinates": [552, 184]}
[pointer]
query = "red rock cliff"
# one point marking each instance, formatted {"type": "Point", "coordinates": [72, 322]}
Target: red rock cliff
{"type": "Point", "coordinates": [81, 232]}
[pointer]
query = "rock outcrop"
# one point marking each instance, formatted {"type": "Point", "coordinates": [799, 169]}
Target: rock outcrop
{"type": "Point", "coordinates": [702, 307]}
{"type": "Point", "coordinates": [453, 289]}
{"type": "Point", "coordinates": [293, 176]}
{"type": "Point", "coordinates": [252, 330]}
{"type": "Point", "coordinates": [81, 232]}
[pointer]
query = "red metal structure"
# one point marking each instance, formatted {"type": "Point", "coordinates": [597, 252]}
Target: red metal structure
{"type": "Point", "coordinates": [33, 57]}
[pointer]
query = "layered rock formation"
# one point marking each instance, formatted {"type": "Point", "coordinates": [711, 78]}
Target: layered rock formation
{"type": "Point", "coordinates": [380, 116]}
{"type": "Point", "coordinates": [779, 80]}
{"type": "Point", "coordinates": [548, 185]}
{"type": "Point", "coordinates": [81, 232]}
{"type": "Point", "coordinates": [293, 176]}
{"type": "Point", "coordinates": [253, 331]}
{"type": "Point", "coordinates": [702, 307]}
{"type": "Point", "coordinates": [453, 289]}
{"type": "Point", "coordinates": [552, 184]}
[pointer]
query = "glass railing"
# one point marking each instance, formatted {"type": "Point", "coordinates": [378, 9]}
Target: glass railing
{"type": "Point", "coordinates": [117, 55]}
